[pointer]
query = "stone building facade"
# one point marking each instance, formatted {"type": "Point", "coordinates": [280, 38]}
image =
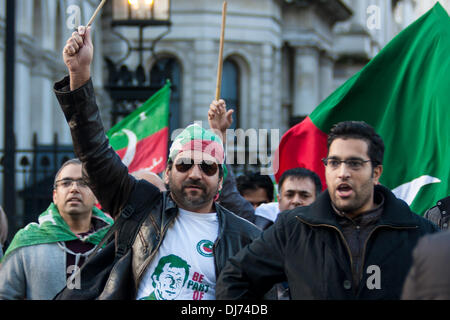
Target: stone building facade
{"type": "Point", "coordinates": [281, 58]}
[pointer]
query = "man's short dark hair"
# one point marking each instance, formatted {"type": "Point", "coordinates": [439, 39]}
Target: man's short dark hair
{"type": "Point", "coordinates": [301, 173]}
{"type": "Point", "coordinates": [363, 131]}
{"type": "Point", "coordinates": [65, 164]}
{"type": "Point", "coordinates": [253, 181]}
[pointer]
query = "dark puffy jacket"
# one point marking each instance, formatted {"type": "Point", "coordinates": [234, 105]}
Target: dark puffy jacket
{"type": "Point", "coordinates": [307, 248]}
{"type": "Point", "coordinates": [429, 277]}
{"type": "Point", "coordinates": [113, 187]}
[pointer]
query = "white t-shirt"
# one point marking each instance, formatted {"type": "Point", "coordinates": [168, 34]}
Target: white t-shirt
{"type": "Point", "coordinates": [183, 267]}
{"type": "Point", "coordinates": [268, 210]}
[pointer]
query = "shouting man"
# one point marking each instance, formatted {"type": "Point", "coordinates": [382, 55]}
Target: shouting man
{"type": "Point", "coordinates": [354, 242]}
{"type": "Point", "coordinates": [185, 221]}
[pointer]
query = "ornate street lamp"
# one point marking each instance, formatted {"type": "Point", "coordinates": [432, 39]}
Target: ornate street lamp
{"type": "Point", "coordinates": [127, 88]}
{"type": "Point", "coordinates": [141, 12]}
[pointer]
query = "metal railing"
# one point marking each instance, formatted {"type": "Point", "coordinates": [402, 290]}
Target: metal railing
{"type": "Point", "coordinates": [34, 173]}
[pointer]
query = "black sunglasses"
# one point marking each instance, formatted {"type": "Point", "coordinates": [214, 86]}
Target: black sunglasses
{"type": "Point", "coordinates": [208, 167]}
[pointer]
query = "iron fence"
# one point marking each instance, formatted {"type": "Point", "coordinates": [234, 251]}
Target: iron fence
{"type": "Point", "coordinates": [34, 173]}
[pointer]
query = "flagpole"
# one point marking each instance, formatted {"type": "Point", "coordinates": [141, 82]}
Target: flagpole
{"type": "Point", "coordinates": [100, 6]}
{"type": "Point", "coordinates": [220, 63]}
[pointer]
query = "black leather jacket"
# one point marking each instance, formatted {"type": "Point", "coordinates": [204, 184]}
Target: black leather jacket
{"type": "Point", "coordinates": [113, 187]}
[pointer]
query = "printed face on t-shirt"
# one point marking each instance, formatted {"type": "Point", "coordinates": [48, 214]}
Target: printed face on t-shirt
{"type": "Point", "coordinates": [170, 282]}
{"type": "Point", "coordinates": [183, 268]}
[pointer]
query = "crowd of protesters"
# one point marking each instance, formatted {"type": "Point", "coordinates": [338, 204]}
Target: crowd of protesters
{"type": "Point", "coordinates": [200, 233]}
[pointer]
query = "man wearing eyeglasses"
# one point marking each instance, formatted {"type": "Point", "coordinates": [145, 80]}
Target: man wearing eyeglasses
{"type": "Point", "coordinates": [43, 257]}
{"type": "Point", "coordinates": [185, 222]}
{"type": "Point", "coordinates": [354, 242]}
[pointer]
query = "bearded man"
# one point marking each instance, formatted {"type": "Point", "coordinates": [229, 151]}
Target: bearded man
{"type": "Point", "coordinates": [184, 221]}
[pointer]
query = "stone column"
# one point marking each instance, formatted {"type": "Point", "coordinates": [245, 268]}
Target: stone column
{"type": "Point", "coordinates": [204, 80]}
{"type": "Point", "coordinates": [306, 80]}
{"type": "Point", "coordinates": [267, 78]}
{"type": "Point", "coordinates": [22, 93]}
{"type": "Point", "coordinates": [22, 108]}
{"type": "Point", "coordinates": [277, 122]}
{"type": "Point", "coordinates": [3, 8]}
{"type": "Point", "coordinates": [408, 15]}
{"type": "Point", "coordinates": [326, 75]}
{"type": "Point", "coordinates": [24, 55]}
{"type": "Point", "coordinates": [42, 105]}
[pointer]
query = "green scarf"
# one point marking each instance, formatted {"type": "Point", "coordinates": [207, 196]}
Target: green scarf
{"type": "Point", "coordinates": [52, 228]}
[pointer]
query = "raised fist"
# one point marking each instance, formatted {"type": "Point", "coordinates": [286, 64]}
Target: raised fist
{"type": "Point", "coordinates": [78, 54]}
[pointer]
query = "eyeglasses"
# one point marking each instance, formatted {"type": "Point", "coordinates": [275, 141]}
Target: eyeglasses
{"type": "Point", "coordinates": [208, 167]}
{"type": "Point", "coordinates": [353, 164]}
{"type": "Point", "coordinates": [68, 182]}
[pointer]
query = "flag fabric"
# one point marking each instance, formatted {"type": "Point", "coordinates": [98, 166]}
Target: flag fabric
{"type": "Point", "coordinates": [52, 228]}
{"type": "Point", "coordinates": [195, 137]}
{"type": "Point", "coordinates": [404, 93]}
{"type": "Point", "coordinates": [141, 138]}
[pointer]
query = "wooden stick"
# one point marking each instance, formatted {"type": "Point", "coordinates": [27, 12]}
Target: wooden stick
{"type": "Point", "coordinates": [220, 63]}
{"type": "Point", "coordinates": [100, 6]}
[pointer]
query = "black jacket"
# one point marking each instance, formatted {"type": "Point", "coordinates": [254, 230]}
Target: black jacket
{"type": "Point", "coordinates": [429, 277]}
{"type": "Point", "coordinates": [306, 247]}
{"type": "Point", "coordinates": [440, 213]}
{"type": "Point", "coordinates": [114, 187]}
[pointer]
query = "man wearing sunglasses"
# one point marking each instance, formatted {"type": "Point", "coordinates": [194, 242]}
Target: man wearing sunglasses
{"type": "Point", "coordinates": [354, 242]}
{"type": "Point", "coordinates": [42, 257]}
{"type": "Point", "coordinates": [185, 222]}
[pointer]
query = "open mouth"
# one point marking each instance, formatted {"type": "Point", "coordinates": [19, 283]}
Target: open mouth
{"type": "Point", "coordinates": [73, 200]}
{"type": "Point", "coordinates": [344, 190]}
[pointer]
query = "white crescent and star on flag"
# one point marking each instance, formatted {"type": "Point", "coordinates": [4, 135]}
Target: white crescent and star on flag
{"type": "Point", "coordinates": [131, 148]}
{"type": "Point", "coordinates": [408, 191]}
{"type": "Point", "coordinates": [132, 142]}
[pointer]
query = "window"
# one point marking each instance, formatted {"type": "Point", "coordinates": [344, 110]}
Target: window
{"type": "Point", "coordinates": [230, 89]}
{"type": "Point", "coordinates": [169, 68]}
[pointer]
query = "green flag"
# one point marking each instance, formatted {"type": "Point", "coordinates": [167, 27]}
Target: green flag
{"type": "Point", "coordinates": [404, 93]}
{"type": "Point", "coordinates": [141, 138]}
